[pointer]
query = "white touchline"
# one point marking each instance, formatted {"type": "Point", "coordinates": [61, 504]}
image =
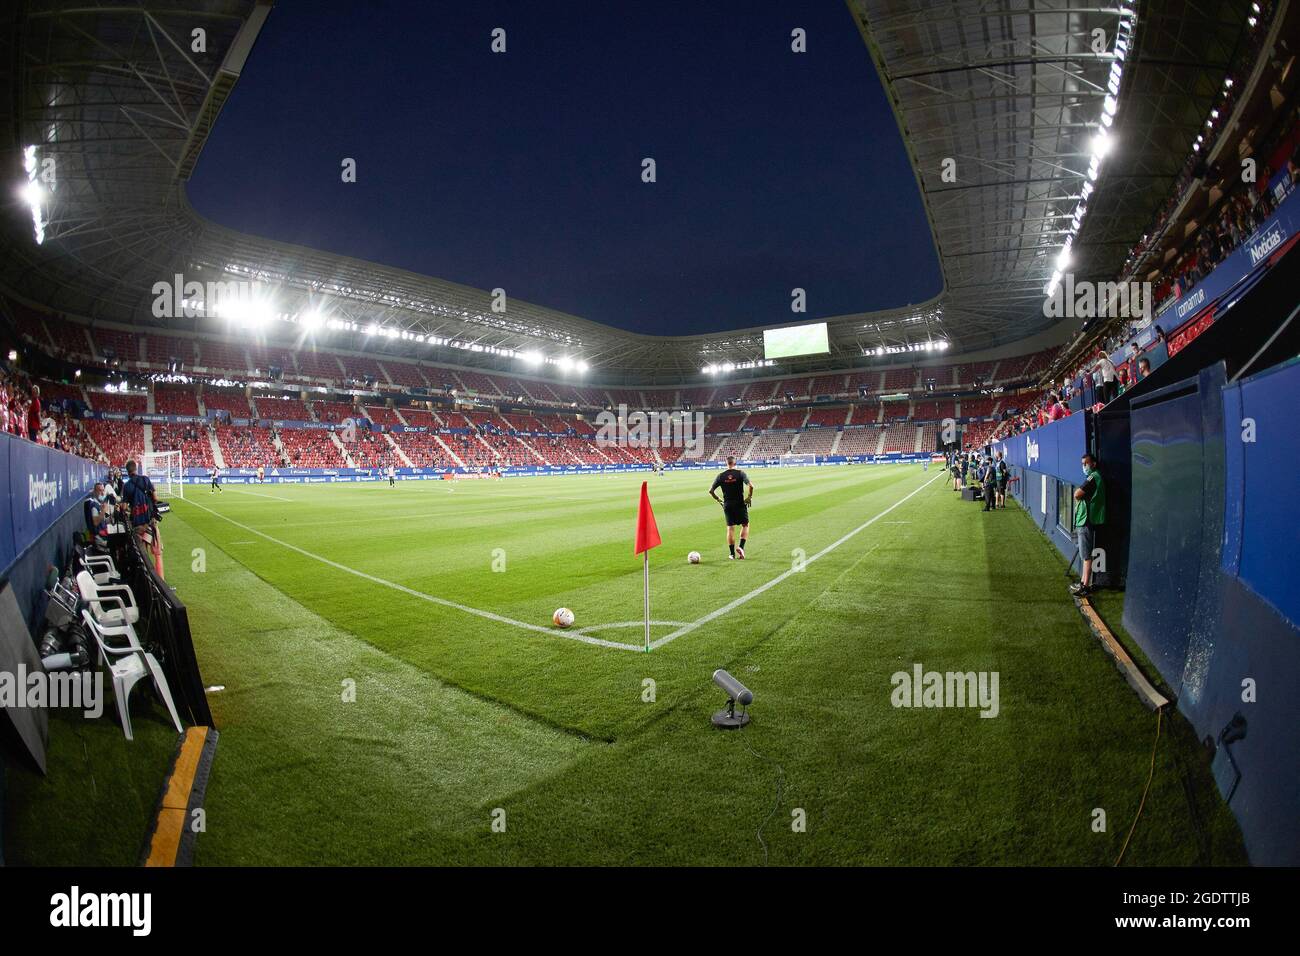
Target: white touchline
{"type": "Point", "coordinates": [489, 615]}
{"type": "Point", "coordinates": [744, 598]}
{"type": "Point", "coordinates": [245, 491]}
{"type": "Point", "coordinates": [580, 635]}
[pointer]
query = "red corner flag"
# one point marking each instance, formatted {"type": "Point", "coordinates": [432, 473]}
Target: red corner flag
{"type": "Point", "coordinates": [647, 533]}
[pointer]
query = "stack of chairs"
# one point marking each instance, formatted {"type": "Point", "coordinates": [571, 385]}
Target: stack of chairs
{"type": "Point", "coordinates": [107, 609]}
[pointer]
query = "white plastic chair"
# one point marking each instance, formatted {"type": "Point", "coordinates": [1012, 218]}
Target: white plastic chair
{"type": "Point", "coordinates": [111, 604]}
{"type": "Point", "coordinates": [101, 567]}
{"type": "Point", "coordinates": [126, 664]}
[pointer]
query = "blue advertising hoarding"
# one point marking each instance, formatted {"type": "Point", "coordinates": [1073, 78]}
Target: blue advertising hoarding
{"type": "Point", "coordinates": [1053, 449]}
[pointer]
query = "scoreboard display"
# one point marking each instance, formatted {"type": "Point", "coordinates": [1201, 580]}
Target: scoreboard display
{"type": "Point", "coordinates": [796, 340]}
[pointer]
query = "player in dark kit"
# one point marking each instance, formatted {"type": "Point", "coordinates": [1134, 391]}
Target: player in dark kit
{"type": "Point", "coordinates": [735, 504]}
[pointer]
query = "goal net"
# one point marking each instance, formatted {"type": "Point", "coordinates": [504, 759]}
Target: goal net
{"type": "Point", "coordinates": [163, 468]}
{"type": "Point", "coordinates": [793, 459]}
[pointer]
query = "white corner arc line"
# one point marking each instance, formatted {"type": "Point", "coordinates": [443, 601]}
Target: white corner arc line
{"type": "Point", "coordinates": [489, 615]}
{"type": "Point", "coordinates": [744, 598]}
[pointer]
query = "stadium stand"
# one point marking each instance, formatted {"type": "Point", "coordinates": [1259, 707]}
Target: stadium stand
{"type": "Point", "coordinates": [827, 416]}
{"type": "Point", "coordinates": [247, 446]}
{"type": "Point", "coordinates": [278, 408]}
{"type": "Point", "coordinates": [859, 441]}
{"type": "Point", "coordinates": [234, 403]}
{"type": "Point", "coordinates": [169, 400]}
{"type": "Point", "coordinates": [130, 403]}
{"type": "Point", "coordinates": [321, 365]}
{"type": "Point", "coordinates": [310, 448]}
{"type": "Point", "coordinates": [190, 440]}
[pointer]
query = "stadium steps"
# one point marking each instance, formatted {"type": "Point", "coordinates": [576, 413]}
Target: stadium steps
{"type": "Point", "coordinates": [398, 412]}
{"type": "Point", "coordinates": [496, 455]}
{"type": "Point", "coordinates": [540, 456]}
{"type": "Point", "coordinates": [91, 438]}
{"type": "Point", "coordinates": [880, 442]}
{"type": "Point", "coordinates": [342, 450]}
{"type": "Point", "coordinates": [398, 448]}
{"type": "Point", "coordinates": [920, 432]}
{"type": "Point", "coordinates": [148, 438]}
{"type": "Point", "coordinates": [217, 458]}
{"type": "Point", "coordinates": [835, 443]}
{"type": "Point", "coordinates": [387, 377]}
{"type": "Point", "coordinates": [280, 449]}
{"type": "Point", "coordinates": [447, 448]}
{"type": "Point", "coordinates": [49, 337]}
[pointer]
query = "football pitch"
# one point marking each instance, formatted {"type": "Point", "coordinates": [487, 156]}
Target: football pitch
{"type": "Point", "coordinates": [393, 691]}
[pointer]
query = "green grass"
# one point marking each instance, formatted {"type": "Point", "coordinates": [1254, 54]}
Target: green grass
{"type": "Point", "coordinates": [457, 715]}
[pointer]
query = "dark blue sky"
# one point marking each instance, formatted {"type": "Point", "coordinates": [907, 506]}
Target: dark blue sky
{"type": "Point", "coordinates": [523, 170]}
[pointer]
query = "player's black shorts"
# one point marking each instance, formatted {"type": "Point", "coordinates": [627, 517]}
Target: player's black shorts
{"type": "Point", "coordinates": [736, 513]}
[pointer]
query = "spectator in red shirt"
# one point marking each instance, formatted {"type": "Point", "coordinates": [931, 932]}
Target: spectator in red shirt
{"type": "Point", "coordinates": [34, 415]}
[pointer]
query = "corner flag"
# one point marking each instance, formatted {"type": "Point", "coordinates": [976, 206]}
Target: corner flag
{"type": "Point", "coordinates": [647, 537]}
{"type": "Point", "coordinates": [647, 533]}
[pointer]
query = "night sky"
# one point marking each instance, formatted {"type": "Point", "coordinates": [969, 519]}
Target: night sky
{"type": "Point", "coordinates": [523, 170]}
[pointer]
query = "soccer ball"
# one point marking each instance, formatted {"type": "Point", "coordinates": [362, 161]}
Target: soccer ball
{"type": "Point", "coordinates": [562, 617]}
{"type": "Point", "coordinates": [693, 557]}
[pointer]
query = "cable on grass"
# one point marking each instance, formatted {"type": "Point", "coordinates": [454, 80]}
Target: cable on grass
{"type": "Point", "coordinates": [1145, 790]}
{"type": "Point", "coordinates": [780, 789]}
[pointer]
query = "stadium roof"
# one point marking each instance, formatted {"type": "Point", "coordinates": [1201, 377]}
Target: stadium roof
{"type": "Point", "coordinates": [1013, 91]}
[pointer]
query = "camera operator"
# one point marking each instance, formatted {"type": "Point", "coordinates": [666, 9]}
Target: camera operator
{"type": "Point", "coordinates": [142, 506]}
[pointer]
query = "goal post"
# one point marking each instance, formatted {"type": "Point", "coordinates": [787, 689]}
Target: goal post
{"type": "Point", "coordinates": [164, 469]}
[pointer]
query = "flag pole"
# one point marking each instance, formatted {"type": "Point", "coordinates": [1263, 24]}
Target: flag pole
{"type": "Point", "coordinates": [645, 566]}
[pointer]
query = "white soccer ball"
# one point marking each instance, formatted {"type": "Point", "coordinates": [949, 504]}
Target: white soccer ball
{"type": "Point", "coordinates": [562, 617]}
{"type": "Point", "coordinates": [693, 557]}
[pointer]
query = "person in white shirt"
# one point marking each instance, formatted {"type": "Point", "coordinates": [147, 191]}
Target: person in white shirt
{"type": "Point", "coordinates": [1109, 377]}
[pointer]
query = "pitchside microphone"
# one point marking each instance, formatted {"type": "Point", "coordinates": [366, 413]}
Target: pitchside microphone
{"type": "Point", "coordinates": [737, 693]}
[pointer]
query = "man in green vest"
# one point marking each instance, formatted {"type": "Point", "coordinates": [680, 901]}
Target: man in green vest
{"type": "Point", "coordinates": [1089, 515]}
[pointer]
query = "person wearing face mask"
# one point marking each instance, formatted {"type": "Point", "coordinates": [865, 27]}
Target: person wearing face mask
{"type": "Point", "coordinates": [1089, 514]}
{"type": "Point", "coordinates": [96, 512]}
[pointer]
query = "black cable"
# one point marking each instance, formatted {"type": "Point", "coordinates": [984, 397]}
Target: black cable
{"type": "Point", "coordinates": [780, 789]}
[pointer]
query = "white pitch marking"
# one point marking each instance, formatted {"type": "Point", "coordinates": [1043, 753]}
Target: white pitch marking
{"type": "Point", "coordinates": [580, 635]}
{"type": "Point", "coordinates": [245, 491]}
{"type": "Point", "coordinates": [604, 627]}
{"type": "Point", "coordinates": [489, 615]}
{"type": "Point", "coordinates": [744, 598]}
